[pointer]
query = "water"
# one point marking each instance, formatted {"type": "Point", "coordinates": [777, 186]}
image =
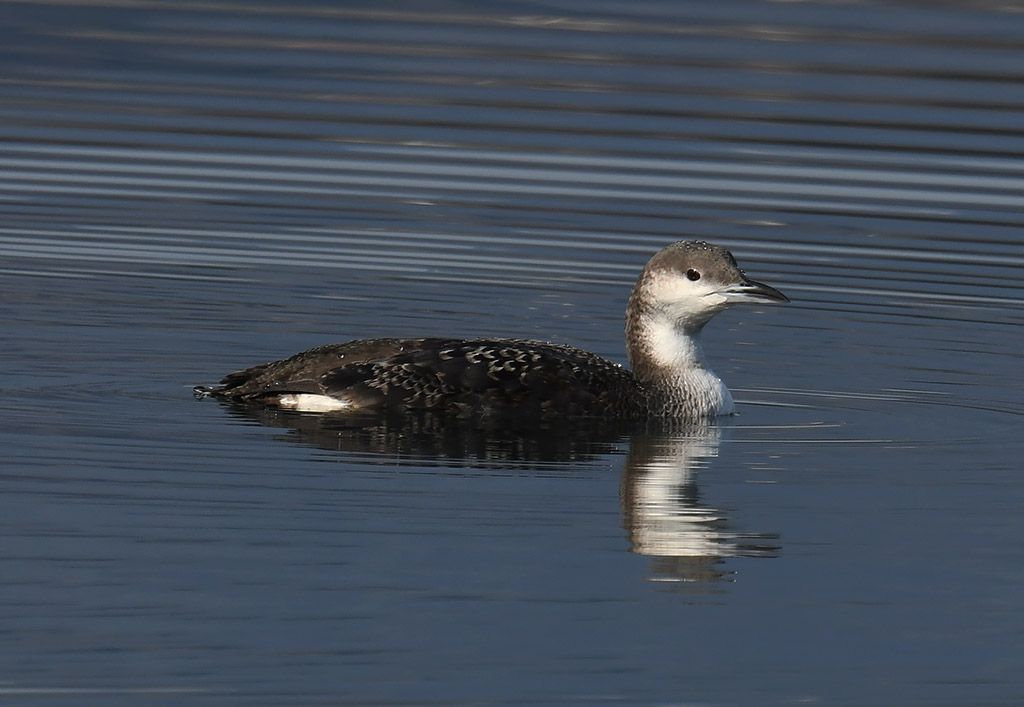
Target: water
{"type": "Point", "coordinates": [187, 189]}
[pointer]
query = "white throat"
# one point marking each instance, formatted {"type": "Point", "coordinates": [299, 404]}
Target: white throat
{"type": "Point", "coordinates": [670, 346]}
{"type": "Point", "coordinates": [677, 355]}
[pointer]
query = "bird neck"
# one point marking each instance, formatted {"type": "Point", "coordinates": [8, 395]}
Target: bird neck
{"type": "Point", "coordinates": [668, 362]}
{"type": "Point", "coordinates": [659, 349]}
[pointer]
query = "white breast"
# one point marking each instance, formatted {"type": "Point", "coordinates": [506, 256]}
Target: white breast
{"type": "Point", "coordinates": [679, 354]}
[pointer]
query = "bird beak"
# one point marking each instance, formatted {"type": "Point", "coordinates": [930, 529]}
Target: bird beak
{"type": "Point", "coordinates": [752, 292]}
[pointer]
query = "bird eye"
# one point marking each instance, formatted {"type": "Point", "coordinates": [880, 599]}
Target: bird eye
{"type": "Point", "coordinates": [692, 275]}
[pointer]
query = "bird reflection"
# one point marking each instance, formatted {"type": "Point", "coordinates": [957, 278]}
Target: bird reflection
{"type": "Point", "coordinates": [663, 513]}
{"type": "Point", "coordinates": [426, 437]}
{"type": "Point", "coordinates": [662, 510]}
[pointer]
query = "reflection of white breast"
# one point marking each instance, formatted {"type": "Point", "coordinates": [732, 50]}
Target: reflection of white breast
{"type": "Point", "coordinates": [667, 528]}
{"type": "Point", "coordinates": [663, 510]}
{"type": "Point", "coordinates": [667, 519]}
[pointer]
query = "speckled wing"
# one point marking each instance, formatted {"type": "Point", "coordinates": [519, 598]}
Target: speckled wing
{"type": "Point", "coordinates": [302, 372]}
{"type": "Point", "coordinates": [488, 376]}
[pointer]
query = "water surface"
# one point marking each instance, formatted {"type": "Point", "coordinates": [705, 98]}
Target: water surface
{"type": "Point", "coordinates": [191, 188]}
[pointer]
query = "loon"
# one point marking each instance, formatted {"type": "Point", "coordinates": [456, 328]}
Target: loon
{"type": "Point", "coordinates": [679, 291]}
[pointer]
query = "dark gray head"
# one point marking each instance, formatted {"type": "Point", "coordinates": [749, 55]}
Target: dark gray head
{"type": "Point", "coordinates": [679, 291]}
{"type": "Point", "coordinates": [689, 282]}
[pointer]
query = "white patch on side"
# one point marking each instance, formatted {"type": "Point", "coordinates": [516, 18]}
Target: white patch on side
{"type": "Point", "coordinates": [312, 402]}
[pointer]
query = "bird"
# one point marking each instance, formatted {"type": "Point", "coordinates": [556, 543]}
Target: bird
{"type": "Point", "coordinates": [680, 289]}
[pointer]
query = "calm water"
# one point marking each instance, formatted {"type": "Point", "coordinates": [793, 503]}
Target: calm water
{"type": "Point", "coordinates": [190, 188]}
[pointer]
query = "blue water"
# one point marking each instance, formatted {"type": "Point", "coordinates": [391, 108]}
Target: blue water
{"type": "Point", "coordinates": [188, 189]}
